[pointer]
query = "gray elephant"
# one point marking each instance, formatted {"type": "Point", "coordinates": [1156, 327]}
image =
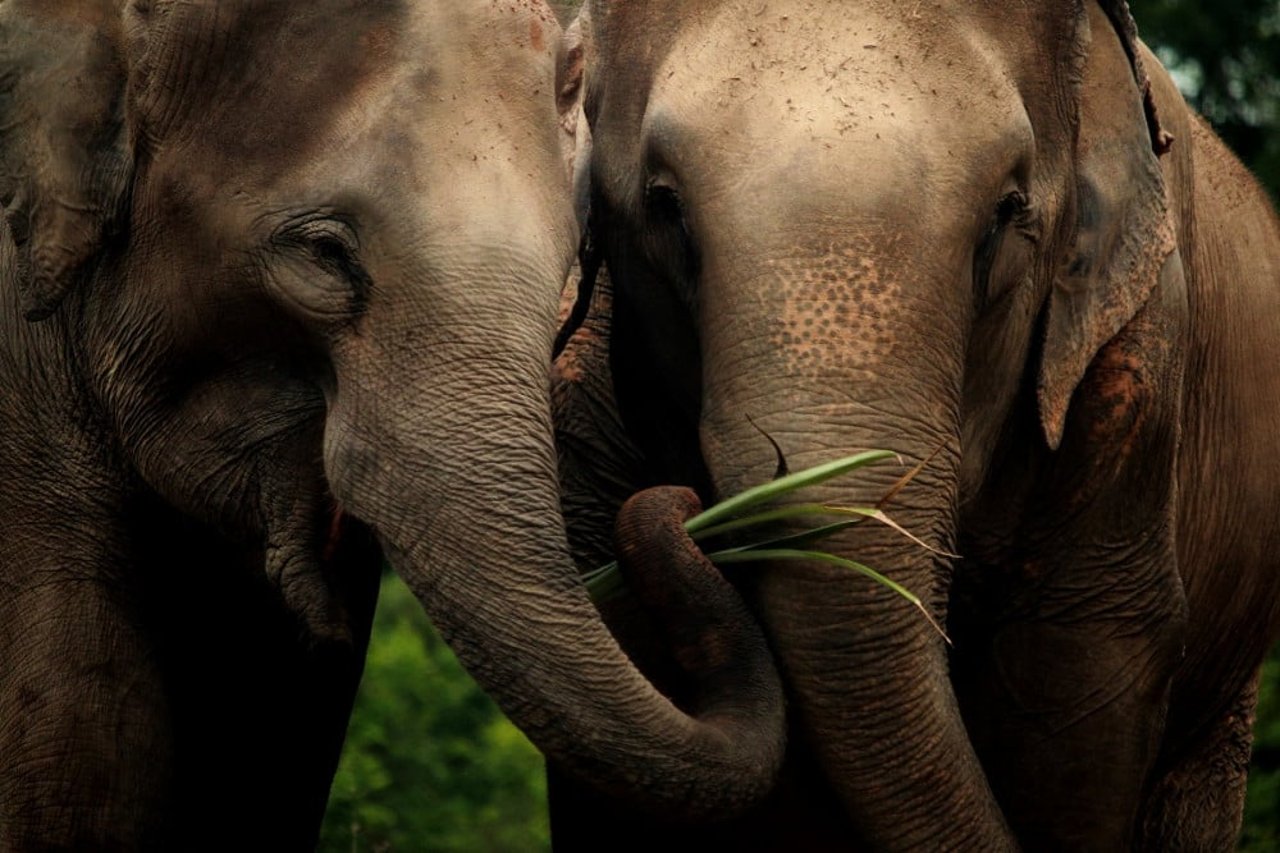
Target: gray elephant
{"type": "Point", "coordinates": [277, 293]}
{"type": "Point", "coordinates": [991, 236]}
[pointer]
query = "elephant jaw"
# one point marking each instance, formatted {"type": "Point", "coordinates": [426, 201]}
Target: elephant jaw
{"type": "Point", "coordinates": [304, 540]}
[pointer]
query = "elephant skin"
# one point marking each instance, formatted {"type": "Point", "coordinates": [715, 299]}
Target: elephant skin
{"type": "Point", "coordinates": [989, 237]}
{"type": "Point", "coordinates": [277, 294]}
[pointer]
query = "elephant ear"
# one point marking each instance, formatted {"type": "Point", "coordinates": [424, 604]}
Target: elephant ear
{"type": "Point", "coordinates": [65, 163]}
{"type": "Point", "coordinates": [571, 88]}
{"type": "Point", "coordinates": [1123, 239]}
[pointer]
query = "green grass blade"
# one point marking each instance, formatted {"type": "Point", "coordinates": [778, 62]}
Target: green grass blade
{"type": "Point", "coordinates": [766, 492]}
{"type": "Point", "coordinates": [604, 583]}
{"type": "Point", "coordinates": [760, 518]}
{"type": "Point", "coordinates": [883, 517]}
{"type": "Point", "coordinates": [735, 557]}
{"type": "Point", "coordinates": [793, 541]}
{"type": "Point", "coordinates": [797, 510]}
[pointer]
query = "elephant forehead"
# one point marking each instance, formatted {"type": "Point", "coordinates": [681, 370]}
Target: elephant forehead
{"type": "Point", "coordinates": [302, 87]}
{"type": "Point", "coordinates": [853, 94]}
{"type": "Point", "coordinates": [446, 115]}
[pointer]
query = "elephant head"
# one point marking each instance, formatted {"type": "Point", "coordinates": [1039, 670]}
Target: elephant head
{"type": "Point", "coordinates": [940, 230]}
{"type": "Point", "coordinates": [306, 258]}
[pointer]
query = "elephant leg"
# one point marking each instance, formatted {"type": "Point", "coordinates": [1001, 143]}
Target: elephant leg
{"type": "Point", "coordinates": [1197, 802]}
{"type": "Point", "coordinates": [1065, 696]}
{"type": "Point", "coordinates": [84, 732]}
{"type": "Point", "coordinates": [1077, 611]}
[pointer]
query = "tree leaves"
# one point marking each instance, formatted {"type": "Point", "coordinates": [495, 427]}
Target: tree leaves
{"type": "Point", "coordinates": [430, 763]}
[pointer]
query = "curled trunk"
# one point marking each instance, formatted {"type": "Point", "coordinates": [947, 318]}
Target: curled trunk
{"type": "Point", "coordinates": [867, 673]}
{"type": "Point", "coordinates": [473, 525]}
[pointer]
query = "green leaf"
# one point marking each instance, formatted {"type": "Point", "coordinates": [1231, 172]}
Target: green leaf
{"type": "Point", "coordinates": [734, 556]}
{"type": "Point", "coordinates": [793, 541]}
{"type": "Point", "coordinates": [766, 492]}
{"type": "Point", "coordinates": [760, 518]}
{"type": "Point", "coordinates": [797, 510]}
{"type": "Point", "coordinates": [604, 583]}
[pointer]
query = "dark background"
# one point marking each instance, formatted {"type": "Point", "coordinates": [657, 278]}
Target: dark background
{"type": "Point", "coordinates": [431, 765]}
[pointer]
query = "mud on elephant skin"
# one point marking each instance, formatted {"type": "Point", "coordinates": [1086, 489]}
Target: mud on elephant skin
{"type": "Point", "coordinates": [277, 292]}
{"type": "Point", "coordinates": [1001, 232]}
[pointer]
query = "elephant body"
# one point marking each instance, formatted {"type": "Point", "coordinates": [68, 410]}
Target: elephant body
{"type": "Point", "coordinates": [1227, 537]}
{"type": "Point", "coordinates": [1222, 328]}
{"type": "Point", "coordinates": [277, 295]}
{"type": "Point", "coordinates": [792, 206]}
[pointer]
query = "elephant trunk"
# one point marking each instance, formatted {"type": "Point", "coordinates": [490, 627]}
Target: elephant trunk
{"type": "Point", "coordinates": [868, 672]}
{"type": "Point", "coordinates": [834, 370]}
{"type": "Point", "coordinates": [461, 486]}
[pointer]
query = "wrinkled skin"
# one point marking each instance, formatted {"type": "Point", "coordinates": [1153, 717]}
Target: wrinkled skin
{"type": "Point", "coordinates": [277, 293]}
{"type": "Point", "coordinates": [959, 233]}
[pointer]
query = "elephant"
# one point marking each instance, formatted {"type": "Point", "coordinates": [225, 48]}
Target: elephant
{"type": "Point", "coordinates": [278, 284]}
{"type": "Point", "coordinates": [994, 239]}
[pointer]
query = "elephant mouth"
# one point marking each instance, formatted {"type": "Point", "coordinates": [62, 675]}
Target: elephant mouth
{"type": "Point", "coordinates": [340, 529]}
{"type": "Point", "coordinates": [311, 562]}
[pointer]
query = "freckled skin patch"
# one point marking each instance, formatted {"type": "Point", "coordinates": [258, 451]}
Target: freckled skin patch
{"type": "Point", "coordinates": [836, 306]}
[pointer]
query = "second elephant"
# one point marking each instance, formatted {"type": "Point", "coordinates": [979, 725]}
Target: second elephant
{"type": "Point", "coordinates": [994, 237]}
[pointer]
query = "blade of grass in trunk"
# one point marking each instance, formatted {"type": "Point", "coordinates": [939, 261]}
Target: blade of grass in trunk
{"type": "Point", "coordinates": [797, 510]}
{"type": "Point", "coordinates": [606, 582]}
{"type": "Point", "coordinates": [908, 477]}
{"type": "Point", "coordinates": [732, 557]}
{"type": "Point", "coordinates": [792, 541]}
{"type": "Point", "coordinates": [765, 492]}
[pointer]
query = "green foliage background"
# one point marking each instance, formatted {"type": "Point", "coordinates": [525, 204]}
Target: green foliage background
{"type": "Point", "coordinates": [1225, 56]}
{"type": "Point", "coordinates": [431, 765]}
{"type": "Point", "coordinates": [1262, 806]}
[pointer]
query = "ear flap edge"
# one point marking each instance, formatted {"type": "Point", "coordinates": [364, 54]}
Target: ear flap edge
{"type": "Point", "coordinates": [64, 153]}
{"type": "Point", "coordinates": [1123, 238]}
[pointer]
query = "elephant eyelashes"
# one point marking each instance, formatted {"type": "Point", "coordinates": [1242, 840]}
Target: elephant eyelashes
{"type": "Point", "coordinates": [333, 246]}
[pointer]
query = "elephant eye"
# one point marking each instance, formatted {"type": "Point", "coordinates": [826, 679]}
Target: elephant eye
{"type": "Point", "coordinates": [331, 252]}
{"type": "Point", "coordinates": [671, 239]}
{"type": "Point", "coordinates": [1012, 211]}
{"type": "Point", "coordinates": [663, 202]}
{"type": "Point", "coordinates": [329, 246]}
{"type": "Point", "coordinates": [1010, 207]}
